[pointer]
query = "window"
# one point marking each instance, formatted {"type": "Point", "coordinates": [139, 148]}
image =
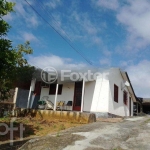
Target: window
{"type": "Point", "coordinates": [115, 93]}
{"type": "Point", "coordinates": [52, 89]}
{"type": "Point", "coordinates": [125, 97]}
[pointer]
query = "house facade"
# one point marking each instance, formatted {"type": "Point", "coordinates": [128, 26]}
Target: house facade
{"type": "Point", "coordinates": [107, 95]}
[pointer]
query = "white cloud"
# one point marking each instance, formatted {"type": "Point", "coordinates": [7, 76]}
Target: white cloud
{"type": "Point", "coordinates": [84, 23]}
{"type": "Point", "coordinates": [79, 26]}
{"type": "Point", "coordinates": [139, 75]}
{"type": "Point", "coordinates": [96, 40]}
{"type": "Point", "coordinates": [107, 52]}
{"type": "Point", "coordinates": [19, 8]}
{"type": "Point", "coordinates": [53, 3]}
{"type": "Point", "coordinates": [82, 27]}
{"type": "Point", "coordinates": [8, 17]}
{"type": "Point", "coordinates": [56, 62]}
{"type": "Point", "coordinates": [105, 61]}
{"type": "Point", "coordinates": [23, 11]}
{"type": "Point", "coordinates": [29, 37]}
{"type": "Point", "coordinates": [135, 16]}
{"type": "Point", "coordinates": [33, 21]}
{"type": "Point", "coordinates": [109, 4]}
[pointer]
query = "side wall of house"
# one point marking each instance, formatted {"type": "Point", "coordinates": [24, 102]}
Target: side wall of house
{"type": "Point", "coordinates": [119, 108]}
{"type": "Point", "coordinates": [100, 97]}
{"type": "Point", "coordinates": [66, 95]}
{"type": "Point", "coordinates": [88, 95]}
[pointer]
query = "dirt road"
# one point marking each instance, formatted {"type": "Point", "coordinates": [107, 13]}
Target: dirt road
{"type": "Point", "coordinates": [130, 134]}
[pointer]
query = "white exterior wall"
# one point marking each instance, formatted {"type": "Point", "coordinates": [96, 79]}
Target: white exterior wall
{"type": "Point", "coordinates": [119, 108]}
{"type": "Point", "coordinates": [66, 95]}
{"type": "Point", "coordinates": [103, 97]}
{"type": "Point", "coordinates": [44, 92]}
{"type": "Point", "coordinates": [101, 94]}
{"type": "Point", "coordinates": [88, 95]}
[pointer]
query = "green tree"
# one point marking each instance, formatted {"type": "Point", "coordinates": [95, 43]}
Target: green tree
{"type": "Point", "coordinates": [12, 60]}
{"type": "Point", "coordinates": [23, 71]}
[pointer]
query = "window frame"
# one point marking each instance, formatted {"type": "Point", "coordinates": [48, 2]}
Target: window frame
{"type": "Point", "coordinates": [125, 97]}
{"type": "Point", "coordinates": [116, 93]}
{"type": "Point", "coordinates": [52, 89]}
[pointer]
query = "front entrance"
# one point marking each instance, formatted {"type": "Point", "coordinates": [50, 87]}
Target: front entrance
{"type": "Point", "coordinates": [77, 96]}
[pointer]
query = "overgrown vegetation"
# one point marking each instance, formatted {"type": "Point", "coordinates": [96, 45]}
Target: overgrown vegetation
{"type": "Point", "coordinates": [35, 127]}
{"type": "Point", "coordinates": [14, 68]}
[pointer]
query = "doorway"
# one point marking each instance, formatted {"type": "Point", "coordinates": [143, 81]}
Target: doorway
{"type": "Point", "coordinates": [77, 96]}
{"type": "Point", "coordinates": [130, 106]}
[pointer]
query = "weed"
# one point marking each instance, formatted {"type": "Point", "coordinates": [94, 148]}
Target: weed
{"type": "Point", "coordinates": [5, 119]}
{"type": "Point", "coordinates": [39, 128]}
{"type": "Point", "coordinates": [62, 127]}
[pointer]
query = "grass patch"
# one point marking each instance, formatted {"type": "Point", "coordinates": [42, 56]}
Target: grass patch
{"type": "Point", "coordinates": [35, 127]}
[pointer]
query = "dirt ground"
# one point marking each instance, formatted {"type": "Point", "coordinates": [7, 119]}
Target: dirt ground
{"type": "Point", "coordinates": [128, 134]}
{"type": "Point", "coordinates": [105, 134]}
{"type": "Point", "coordinates": [33, 128]}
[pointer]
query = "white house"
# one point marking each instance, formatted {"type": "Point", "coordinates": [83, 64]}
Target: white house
{"type": "Point", "coordinates": [109, 94]}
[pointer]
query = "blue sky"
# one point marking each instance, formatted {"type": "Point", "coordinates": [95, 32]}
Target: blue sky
{"type": "Point", "coordinates": [108, 33]}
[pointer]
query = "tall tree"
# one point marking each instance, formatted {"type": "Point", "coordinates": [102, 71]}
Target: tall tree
{"type": "Point", "coordinates": [12, 61]}
{"type": "Point", "coordinates": [23, 72]}
{"type": "Point", "coordinates": [7, 55]}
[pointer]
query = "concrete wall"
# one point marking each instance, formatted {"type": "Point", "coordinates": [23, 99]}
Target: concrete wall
{"type": "Point", "coordinates": [67, 93]}
{"type": "Point", "coordinates": [117, 108]}
{"type": "Point", "coordinates": [88, 95]}
{"type": "Point", "coordinates": [100, 97]}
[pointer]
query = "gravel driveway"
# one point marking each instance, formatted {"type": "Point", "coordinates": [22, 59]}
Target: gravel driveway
{"type": "Point", "coordinates": [130, 134]}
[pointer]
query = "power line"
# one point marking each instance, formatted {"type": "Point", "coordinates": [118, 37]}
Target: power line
{"type": "Point", "coordinates": [49, 14]}
{"type": "Point", "coordinates": [88, 61]}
